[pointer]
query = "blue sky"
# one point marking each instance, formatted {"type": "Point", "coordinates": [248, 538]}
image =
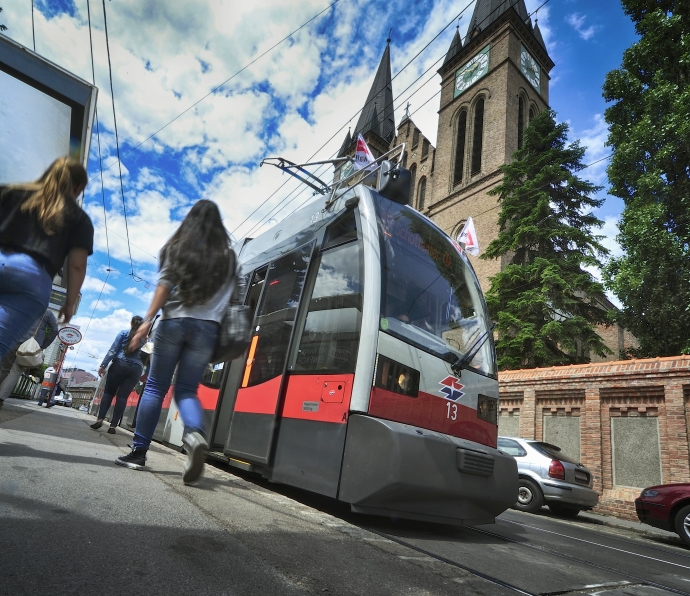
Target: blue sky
{"type": "Point", "coordinates": [166, 56]}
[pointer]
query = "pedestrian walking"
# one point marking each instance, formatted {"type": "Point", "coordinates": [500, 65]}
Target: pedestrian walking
{"type": "Point", "coordinates": [41, 225]}
{"type": "Point", "coordinates": [125, 363]}
{"type": "Point", "coordinates": [196, 280]}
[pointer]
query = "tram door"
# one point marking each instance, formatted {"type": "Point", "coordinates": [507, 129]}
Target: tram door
{"type": "Point", "coordinates": [257, 403]}
{"type": "Point", "coordinates": [226, 402]}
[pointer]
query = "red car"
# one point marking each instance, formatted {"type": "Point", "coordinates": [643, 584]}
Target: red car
{"type": "Point", "coordinates": [666, 506]}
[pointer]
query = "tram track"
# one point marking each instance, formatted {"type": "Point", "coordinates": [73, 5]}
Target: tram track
{"type": "Point", "coordinates": [638, 579]}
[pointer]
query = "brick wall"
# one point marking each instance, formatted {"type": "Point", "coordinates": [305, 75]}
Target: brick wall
{"type": "Point", "coordinates": [599, 392]}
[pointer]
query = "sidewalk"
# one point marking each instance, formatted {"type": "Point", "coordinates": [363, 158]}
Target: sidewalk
{"type": "Point", "coordinates": [72, 522]}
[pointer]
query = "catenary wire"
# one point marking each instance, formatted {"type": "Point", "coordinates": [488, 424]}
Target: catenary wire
{"type": "Point", "coordinates": [228, 79]}
{"type": "Point", "coordinates": [273, 212]}
{"type": "Point", "coordinates": [98, 136]}
{"type": "Point", "coordinates": [117, 141]}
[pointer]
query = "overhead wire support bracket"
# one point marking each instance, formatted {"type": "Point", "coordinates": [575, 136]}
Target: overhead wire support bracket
{"type": "Point", "coordinates": [287, 166]}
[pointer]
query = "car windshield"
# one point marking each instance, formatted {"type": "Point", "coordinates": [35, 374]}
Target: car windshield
{"type": "Point", "coordinates": [430, 297]}
{"type": "Point", "coordinates": [552, 452]}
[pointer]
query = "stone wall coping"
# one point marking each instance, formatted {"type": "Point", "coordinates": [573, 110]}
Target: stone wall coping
{"type": "Point", "coordinates": [647, 369]}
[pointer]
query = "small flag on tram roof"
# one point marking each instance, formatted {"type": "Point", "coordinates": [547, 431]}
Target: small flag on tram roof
{"type": "Point", "coordinates": [468, 237]}
{"type": "Point", "coordinates": [363, 155]}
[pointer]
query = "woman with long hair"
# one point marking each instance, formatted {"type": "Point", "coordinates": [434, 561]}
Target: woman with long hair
{"type": "Point", "coordinates": [41, 224]}
{"type": "Point", "coordinates": [197, 277]}
{"type": "Point", "coordinates": [124, 373]}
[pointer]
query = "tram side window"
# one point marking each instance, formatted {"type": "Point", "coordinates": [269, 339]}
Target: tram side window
{"type": "Point", "coordinates": [276, 314]}
{"type": "Point", "coordinates": [331, 332]}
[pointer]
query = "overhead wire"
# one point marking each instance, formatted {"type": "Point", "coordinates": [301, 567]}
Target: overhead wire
{"type": "Point", "coordinates": [358, 111]}
{"type": "Point", "coordinates": [117, 142]}
{"type": "Point", "coordinates": [288, 36]}
{"type": "Point", "coordinates": [98, 136]}
{"type": "Point", "coordinates": [303, 189]}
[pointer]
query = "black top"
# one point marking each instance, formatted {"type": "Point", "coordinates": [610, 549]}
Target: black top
{"type": "Point", "coordinates": [21, 230]}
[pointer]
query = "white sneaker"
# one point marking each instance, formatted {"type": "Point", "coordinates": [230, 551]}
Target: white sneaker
{"type": "Point", "coordinates": [195, 446]}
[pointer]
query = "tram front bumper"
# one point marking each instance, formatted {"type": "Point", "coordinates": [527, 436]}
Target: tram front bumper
{"type": "Point", "coordinates": [399, 470]}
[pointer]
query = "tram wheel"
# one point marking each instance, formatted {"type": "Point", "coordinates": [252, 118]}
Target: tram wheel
{"type": "Point", "coordinates": [530, 497]}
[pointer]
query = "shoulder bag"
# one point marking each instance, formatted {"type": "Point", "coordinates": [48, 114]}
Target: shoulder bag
{"type": "Point", "coordinates": [235, 328]}
{"type": "Point", "coordinates": [29, 354]}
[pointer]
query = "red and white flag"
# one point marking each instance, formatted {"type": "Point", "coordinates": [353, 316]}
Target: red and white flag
{"type": "Point", "coordinates": [363, 155]}
{"type": "Point", "coordinates": [468, 237]}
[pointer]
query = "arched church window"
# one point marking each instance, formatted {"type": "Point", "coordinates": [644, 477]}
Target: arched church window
{"type": "Point", "coordinates": [425, 148]}
{"type": "Point", "coordinates": [477, 136]}
{"type": "Point", "coordinates": [415, 137]}
{"type": "Point", "coordinates": [521, 122]}
{"type": "Point", "coordinates": [421, 194]}
{"type": "Point", "coordinates": [403, 162]}
{"type": "Point", "coordinates": [460, 148]}
{"type": "Point", "coordinates": [413, 175]}
{"type": "Point", "coordinates": [532, 113]}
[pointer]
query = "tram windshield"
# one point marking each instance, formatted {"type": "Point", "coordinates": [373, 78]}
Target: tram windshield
{"type": "Point", "coordinates": [430, 296]}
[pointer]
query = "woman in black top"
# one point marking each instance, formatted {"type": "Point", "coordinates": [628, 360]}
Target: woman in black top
{"type": "Point", "coordinates": [41, 224]}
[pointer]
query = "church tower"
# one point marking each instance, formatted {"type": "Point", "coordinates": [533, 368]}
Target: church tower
{"type": "Point", "coordinates": [492, 85]}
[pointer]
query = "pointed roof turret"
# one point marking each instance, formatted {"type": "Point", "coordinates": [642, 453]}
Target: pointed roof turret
{"type": "Point", "coordinates": [346, 144]}
{"type": "Point", "coordinates": [379, 104]}
{"type": "Point", "coordinates": [487, 11]}
{"type": "Point", "coordinates": [537, 34]}
{"type": "Point", "coordinates": [455, 46]}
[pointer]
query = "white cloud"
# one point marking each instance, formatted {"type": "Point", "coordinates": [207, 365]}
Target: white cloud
{"type": "Point", "coordinates": [594, 139]}
{"type": "Point", "coordinates": [104, 305]}
{"type": "Point", "coordinates": [577, 22]}
{"type": "Point", "coordinates": [145, 297]}
{"type": "Point", "coordinates": [93, 284]}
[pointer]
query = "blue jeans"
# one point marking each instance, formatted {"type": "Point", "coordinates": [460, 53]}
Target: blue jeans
{"type": "Point", "coordinates": [121, 379]}
{"type": "Point", "coordinates": [24, 294]}
{"type": "Point", "coordinates": [188, 343]}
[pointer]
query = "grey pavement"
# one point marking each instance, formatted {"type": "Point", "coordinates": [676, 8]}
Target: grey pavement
{"type": "Point", "coordinates": [72, 522]}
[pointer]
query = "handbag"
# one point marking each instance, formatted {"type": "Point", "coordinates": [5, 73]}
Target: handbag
{"type": "Point", "coordinates": [29, 354]}
{"type": "Point", "coordinates": [234, 334]}
{"type": "Point", "coordinates": [236, 326]}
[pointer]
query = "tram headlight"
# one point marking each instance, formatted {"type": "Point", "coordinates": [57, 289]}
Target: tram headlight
{"type": "Point", "coordinates": [396, 377]}
{"type": "Point", "coordinates": [487, 408]}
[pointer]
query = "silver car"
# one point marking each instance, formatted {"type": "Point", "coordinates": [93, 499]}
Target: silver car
{"type": "Point", "coordinates": [547, 476]}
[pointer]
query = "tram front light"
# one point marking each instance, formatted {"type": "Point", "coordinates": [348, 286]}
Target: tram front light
{"type": "Point", "coordinates": [396, 377]}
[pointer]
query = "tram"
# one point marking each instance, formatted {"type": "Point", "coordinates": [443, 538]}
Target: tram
{"type": "Point", "coordinates": [371, 373]}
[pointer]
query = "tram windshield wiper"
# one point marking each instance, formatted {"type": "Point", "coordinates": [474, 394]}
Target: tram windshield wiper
{"type": "Point", "coordinates": [464, 360]}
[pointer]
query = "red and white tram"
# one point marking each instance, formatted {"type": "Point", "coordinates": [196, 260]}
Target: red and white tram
{"type": "Point", "coordinates": [371, 374]}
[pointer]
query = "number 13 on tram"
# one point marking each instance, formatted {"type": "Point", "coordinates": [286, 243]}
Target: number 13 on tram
{"type": "Point", "coordinates": [371, 373]}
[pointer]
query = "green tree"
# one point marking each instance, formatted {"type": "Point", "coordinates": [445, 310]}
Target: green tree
{"type": "Point", "coordinates": [649, 131]}
{"type": "Point", "coordinates": [545, 302]}
{"type": "Point", "coordinates": [2, 27]}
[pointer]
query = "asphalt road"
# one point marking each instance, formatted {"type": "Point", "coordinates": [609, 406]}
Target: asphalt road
{"type": "Point", "coordinates": [72, 522]}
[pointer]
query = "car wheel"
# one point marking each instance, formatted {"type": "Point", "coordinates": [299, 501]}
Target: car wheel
{"type": "Point", "coordinates": [530, 497]}
{"type": "Point", "coordinates": [563, 510]}
{"type": "Point", "coordinates": [682, 524]}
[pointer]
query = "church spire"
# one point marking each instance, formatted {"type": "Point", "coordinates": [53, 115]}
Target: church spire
{"type": "Point", "coordinates": [487, 11]}
{"type": "Point", "coordinates": [455, 46]}
{"type": "Point", "coordinates": [377, 114]}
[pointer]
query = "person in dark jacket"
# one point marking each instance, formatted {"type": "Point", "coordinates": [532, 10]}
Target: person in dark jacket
{"type": "Point", "coordinates": [123, 374]}
{"type": "Point", "coordinates": [41, 225]}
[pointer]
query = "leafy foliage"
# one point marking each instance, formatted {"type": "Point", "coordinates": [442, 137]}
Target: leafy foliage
{"type": "Point", "coordinates": [650, 136]}
{"type": "Point", "coordinates": [2, 27]}
{"type": "Point", "coordinates": [545, 302]}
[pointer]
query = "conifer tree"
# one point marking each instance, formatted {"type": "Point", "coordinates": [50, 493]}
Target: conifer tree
{"type": "Point", "coordinates": [545, 302]}
{"type": "Point", "coordinates": [649, 131]}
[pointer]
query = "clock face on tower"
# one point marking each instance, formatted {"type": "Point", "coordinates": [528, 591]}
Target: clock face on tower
{"type": "Point", "coordinates": [529, 68]}
{"type": "Point", "coordinates": [472, 71]}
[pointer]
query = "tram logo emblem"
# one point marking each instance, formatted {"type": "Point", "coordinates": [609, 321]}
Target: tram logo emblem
{"type": "Point", "coordinates": [452, 388]}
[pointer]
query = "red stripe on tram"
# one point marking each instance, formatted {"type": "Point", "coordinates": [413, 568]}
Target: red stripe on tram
{"type": "Point", "coordinates": [434, 413]}
{"type": "Point", "coordinates": [259, 399]}
{"type": "Point", "coordinates": [322, 398]}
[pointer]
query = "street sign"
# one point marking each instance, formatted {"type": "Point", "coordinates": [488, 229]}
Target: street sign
{"type": "Point", "coordinates": [69, 335]}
